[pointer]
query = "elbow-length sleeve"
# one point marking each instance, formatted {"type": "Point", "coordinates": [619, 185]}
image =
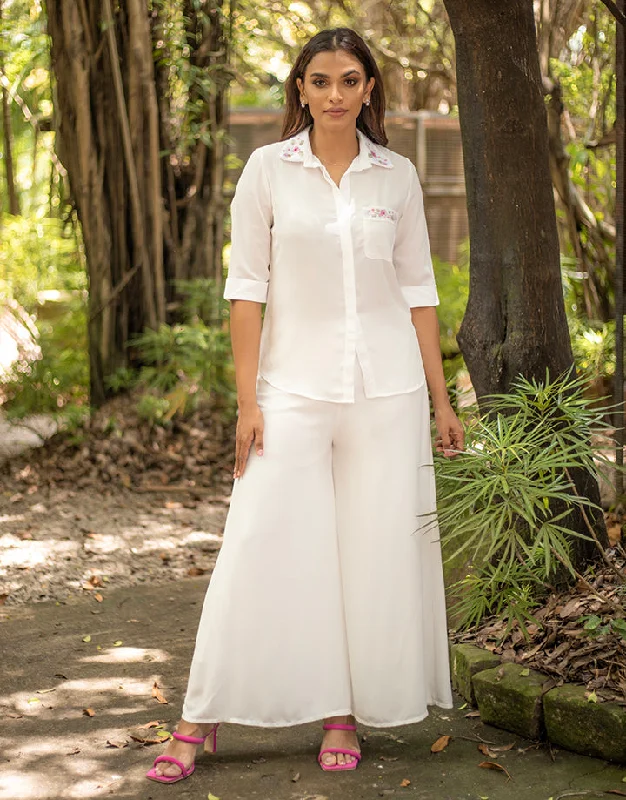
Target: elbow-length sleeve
{"type": "Point", "coordinates": [411, 253]}
{"type": "Point", "coordinates": [251, 222]}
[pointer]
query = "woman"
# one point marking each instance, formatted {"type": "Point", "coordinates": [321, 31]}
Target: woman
{"type": "Point", "coordinates": [327, 599]}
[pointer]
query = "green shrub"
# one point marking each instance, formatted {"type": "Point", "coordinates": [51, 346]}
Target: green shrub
{"type": "Point", "coordinates": [58, 382]}
{"type": "Point", "coordinates": [505, 503]}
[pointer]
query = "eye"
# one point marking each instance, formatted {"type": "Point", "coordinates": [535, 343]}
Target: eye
{"type": "Point", "coordinates": [352, 81]}
{"type": "Point", "coordinates": [318, 82]}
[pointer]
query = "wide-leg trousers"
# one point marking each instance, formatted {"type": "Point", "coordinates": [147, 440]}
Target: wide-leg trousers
{"type": "Point", "coordinates": [327, 597]}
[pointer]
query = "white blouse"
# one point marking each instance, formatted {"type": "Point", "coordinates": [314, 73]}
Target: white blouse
{"type": "Point", "coordinates": [339, 267]}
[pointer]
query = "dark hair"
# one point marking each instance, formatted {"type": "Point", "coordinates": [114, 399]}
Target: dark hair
{"type": "Point", "coordinates": [371, 119]}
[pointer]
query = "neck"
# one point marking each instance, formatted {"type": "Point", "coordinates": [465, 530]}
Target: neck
{"type": "Point", "coordinates": [335, 146]}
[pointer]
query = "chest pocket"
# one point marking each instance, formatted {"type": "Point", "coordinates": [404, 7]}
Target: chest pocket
{"type": "Point", "coordinates": [379, 232]}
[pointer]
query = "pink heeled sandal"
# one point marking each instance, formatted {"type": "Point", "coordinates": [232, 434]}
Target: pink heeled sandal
{"type": "Point", "coordinates": [354, 753]}
{"type": "Point", "coordinates": [185, 772]}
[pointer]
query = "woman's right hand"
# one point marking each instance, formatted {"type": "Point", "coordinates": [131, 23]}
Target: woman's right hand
{"type": "Point", "coordinates": [249, 429]}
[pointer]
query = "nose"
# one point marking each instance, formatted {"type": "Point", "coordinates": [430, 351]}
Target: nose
{"type": "Point", "coordinates": [335, 93]}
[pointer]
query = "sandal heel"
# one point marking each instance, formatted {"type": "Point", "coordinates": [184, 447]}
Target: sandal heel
{"type": "Point", "coordinates": [210, 743]}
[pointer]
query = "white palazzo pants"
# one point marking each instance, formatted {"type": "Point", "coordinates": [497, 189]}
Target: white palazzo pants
{"type": "Point", "coordinates": [327, 597]}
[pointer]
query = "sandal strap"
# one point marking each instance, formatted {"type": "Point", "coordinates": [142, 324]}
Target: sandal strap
{"type": "Point", "coordinates": [334, 727]}
{"type": "Point", "coordinates": [189, 739]}
{"type": "Point", "coordinates": [343, 750]}
{"type": "Point", "coordinates": [183, 769]}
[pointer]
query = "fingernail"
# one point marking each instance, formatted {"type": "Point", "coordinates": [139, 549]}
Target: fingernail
{"type": "Point", "coordinates": [259, 452]}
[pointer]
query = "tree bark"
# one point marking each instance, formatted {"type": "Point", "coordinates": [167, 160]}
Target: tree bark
{"type": "Point", "coordinates": [142, 196]}
{"type": "Point", "coordinates": [7, 134]}
{"type": "Point", "coordinates": [515, 322]}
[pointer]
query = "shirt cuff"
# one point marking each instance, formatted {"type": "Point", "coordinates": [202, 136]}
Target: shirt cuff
{"type": "Point", "coordinates": [417, 296]}
{"type": "Point", "coordinates": [245, 289]}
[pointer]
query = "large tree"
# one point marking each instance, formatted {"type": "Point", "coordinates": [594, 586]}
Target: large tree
{"type": "Point", "coordinates": [139, 118]}
{"type": "Point", "coordinates": [515, 322]}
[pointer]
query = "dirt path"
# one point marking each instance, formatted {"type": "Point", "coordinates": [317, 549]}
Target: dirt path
{"type": "Point", "coordinates": [57, 542]}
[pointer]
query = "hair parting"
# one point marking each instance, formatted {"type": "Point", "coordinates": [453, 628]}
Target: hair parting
{"type": "Point", "coordinates": [371, 119]}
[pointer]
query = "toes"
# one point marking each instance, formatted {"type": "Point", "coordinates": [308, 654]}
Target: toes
{"type": "Point", "coordinates": [329, 759]}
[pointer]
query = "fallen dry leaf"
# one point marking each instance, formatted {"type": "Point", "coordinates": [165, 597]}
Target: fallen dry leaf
{"type": "Point", "coordinates": [115, 743]}
{"type": "Point", "coordinates": [441, 744]}
{"type": "Point", "coordinates": [195, 572]}
{"type": "Point", "coordinates": [45, 691]}
{"type": "Point", "coordinates": [88, 712]}
{"type": "Point", "coordinates": [73, 752]}
{"type": "Point", "coordinates": [502, 747]}
{"type": "Point", "coordinates": [388, 758]}
{"type": "Point", "coordinates": [295, 778]}
{"type": "Point", "coordinates": [493, 765]}
{"type": "Point", "coordinates": [484, 749]}
{"type": "Point", "coordinates": [172, 504]}
{"type": "Point", "coordinates": [472, 714]}
{"type": "Point", "coordinates": [405, 782]}
{"type": "Point", "coordinates": [158, 694]}
{"type": "Point", "coordinates": [155, 723]}
{"type": "Point", "coordinates": [98, 597]}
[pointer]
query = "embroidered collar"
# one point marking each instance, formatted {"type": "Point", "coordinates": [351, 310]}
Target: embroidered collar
{"type": "Point", "coordinates": [298, 149]}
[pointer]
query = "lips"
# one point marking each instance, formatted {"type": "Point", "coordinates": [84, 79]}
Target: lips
{"type": "Point", "coordinates": [336, 112]}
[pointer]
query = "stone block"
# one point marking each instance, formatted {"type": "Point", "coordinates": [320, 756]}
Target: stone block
{"type": "Point", "coordinates": [465, 661]}
{"type": "Point", "coordinates": [593, 729]}
{"type": "Point", "coordinates": [510, 700]}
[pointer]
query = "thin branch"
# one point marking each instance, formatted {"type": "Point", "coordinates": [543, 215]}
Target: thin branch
{"type": "Point", "coordinates": [604, 599]}
{"type": "Point", "coordinates": [619, 15]}
{"type": "Point", "coordinates": [592, 530]}
{"type": "Point", "coordinates": [133, 182]}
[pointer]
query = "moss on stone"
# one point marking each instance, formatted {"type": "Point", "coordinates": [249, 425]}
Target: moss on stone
{"type": "Point", "coordinates": [508, 699]}
{"type": "Point", "coordinates": [465, 661]}
{"type": "Point", "coordinates": [593, 729]}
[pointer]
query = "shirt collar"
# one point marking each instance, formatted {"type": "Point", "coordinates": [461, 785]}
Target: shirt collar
{"type": "Point", "coordinates": [298, 149]}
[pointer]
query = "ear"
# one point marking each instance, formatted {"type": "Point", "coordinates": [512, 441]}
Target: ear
{"type": "Point", "coordinates": [300, 86]}
{"type": "Point", "coordinates": [368, 87]}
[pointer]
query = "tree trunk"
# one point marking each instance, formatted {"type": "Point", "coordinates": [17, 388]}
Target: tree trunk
{"type": "Point", "coordinates": [7, 132]}
{"type": "Point", "coordinates": [515, 322]}
{"type": "Point", "coordinates": [142, 196]}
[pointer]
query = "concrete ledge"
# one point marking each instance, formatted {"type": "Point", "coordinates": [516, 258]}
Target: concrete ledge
{"type": "Point", "coordinates": [593, 729]}
{"type": "Point", "coordinates": [466, 660]}
{"type": "Point", "coordinates": [513, 697]}
{"type": "Point", "coordinates": [511, 700]}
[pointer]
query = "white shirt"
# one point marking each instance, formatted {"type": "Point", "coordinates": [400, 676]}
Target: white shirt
{"type": "Point", "coordinates": [339, 267]}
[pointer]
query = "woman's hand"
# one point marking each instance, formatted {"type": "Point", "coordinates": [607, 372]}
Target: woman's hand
{"type": "Point", "coordinates": [249, 429]}
{"type": "Point", "coordinates": [450, 439]}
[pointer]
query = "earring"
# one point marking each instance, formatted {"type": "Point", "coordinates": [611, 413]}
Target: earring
{"type": "Point", "coordinates": [302, 103]}
{"type": "Point", "coordinates": [367, 102]}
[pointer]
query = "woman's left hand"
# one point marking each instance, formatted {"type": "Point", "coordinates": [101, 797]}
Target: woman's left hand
{"type": "Point", "coordinates": [450, 439]}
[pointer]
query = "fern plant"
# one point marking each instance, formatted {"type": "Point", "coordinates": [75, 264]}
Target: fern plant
{"type": "Point", "coordinates": [506, 503]}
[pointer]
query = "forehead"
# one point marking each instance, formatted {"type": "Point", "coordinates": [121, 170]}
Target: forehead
{"type": "Point", "coordinates": [334, 62]}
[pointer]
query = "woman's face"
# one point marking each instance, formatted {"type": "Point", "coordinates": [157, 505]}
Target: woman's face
{"type": "Point", "coordinates": [335, 87]}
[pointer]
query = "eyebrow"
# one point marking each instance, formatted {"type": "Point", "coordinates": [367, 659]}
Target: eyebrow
{"type": "Point", "coordinates": [345, 74]}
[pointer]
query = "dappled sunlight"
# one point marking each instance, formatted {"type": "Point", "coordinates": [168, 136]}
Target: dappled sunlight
{"type": "Point", "coordinates": [127, 654]}
{"type": "Point", "coordinates": [83, 543]}
{"type": "Point", "coordinates": [11, 518]}
{"type": "Point", "coordinates": [28, 553]}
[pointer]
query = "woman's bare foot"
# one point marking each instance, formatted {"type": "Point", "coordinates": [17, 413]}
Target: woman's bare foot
{"type": "Point", "coordinates": [343, 739]}
{"type": "Point", "coordinates": [183, 751]}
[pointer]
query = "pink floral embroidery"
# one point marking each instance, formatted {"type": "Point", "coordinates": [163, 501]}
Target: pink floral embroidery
{"type": "Point", "coordinates": [378, 212]}
{"type": "Point", "coordinates": [377, 158]}
{"type": "Point", "coordinates": [292, 150]}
